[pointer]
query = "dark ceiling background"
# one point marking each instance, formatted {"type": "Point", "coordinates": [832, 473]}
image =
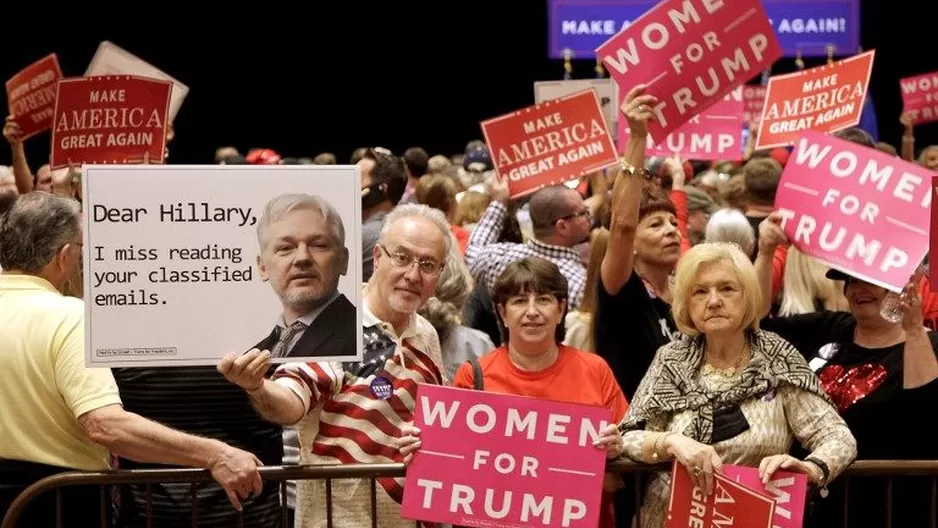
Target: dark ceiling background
{"type": "Point", "coordinates": [396, 74]}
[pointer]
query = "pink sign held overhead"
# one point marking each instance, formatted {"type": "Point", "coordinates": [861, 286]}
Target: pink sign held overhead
{"type": "Point", "coordinates": [498, 460]}
{"type": "Point", "coordinates": [690, 53]}
{"type": "Point", "coordinates": [856, 209]}
{"type": "Point", "coordinates": [713, 134]}
{"type": "Point", "coordinates": [920, 97]}
{"type": "Point", "coordinates": [790, 491]}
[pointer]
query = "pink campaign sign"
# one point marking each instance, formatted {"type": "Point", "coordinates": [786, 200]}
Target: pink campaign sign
{"type": "Point", "coordinates": [790, 491]}
{"type": "Point", "coordinates": [690, 53]}
{"type": "Point", "coordinates": [714, 134]}
{"type": "Point", "coordinates": [920, 97]}
{"type": "Point", "coordinates": [498, 460]}
{"type": "Point", "coordinates": [856, 209]}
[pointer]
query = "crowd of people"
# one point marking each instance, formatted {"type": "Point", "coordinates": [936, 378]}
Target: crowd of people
{"type": "Point", "coordinates": [662, 289]}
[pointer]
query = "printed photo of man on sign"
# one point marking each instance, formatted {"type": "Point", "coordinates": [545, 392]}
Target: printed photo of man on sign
{"type": "Point", "coordinates": [302, 256]}
{"type": "Point", "coordinates": [114, 119]}
{"type": "Point", "coordinates": [550, 143]}
{"type": "Point", "coordinates": [689, 54]}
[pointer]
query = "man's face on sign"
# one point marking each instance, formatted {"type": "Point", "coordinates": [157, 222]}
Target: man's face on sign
{"type": "Point", "coordinates": [302, 258]}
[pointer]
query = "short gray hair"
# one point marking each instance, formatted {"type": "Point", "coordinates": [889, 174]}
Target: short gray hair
{"type": "Point", "coordinates": [418, 210]}
{"type": "Point", "coordinates": [280, 206]}
{"type": "Point", "coordinates": [731, 225]}
{"type": "Point", "coordinates": [35, 228]}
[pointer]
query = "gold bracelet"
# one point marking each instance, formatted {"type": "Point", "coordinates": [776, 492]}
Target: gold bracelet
{"type": "Point", "coordinates": [655, 449]}
{"type": "Point", "coordinates": [632, 170]}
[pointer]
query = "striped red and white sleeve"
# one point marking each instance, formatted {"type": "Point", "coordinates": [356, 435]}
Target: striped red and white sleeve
{"type": "Point", "coordinates": [311, 382]}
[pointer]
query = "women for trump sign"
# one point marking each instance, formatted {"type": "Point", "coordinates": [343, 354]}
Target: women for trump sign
{"type": "Point", "coordinates": [499, 460]}
{"type": "Point", "coordinates": [856, 209]}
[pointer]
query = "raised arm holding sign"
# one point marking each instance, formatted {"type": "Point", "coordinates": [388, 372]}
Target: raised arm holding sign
{"type": "Point", "coordinates": [690, 53]}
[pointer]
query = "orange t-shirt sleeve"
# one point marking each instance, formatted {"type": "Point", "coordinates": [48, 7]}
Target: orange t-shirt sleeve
{"type": "Point", "coordinates": [463, 378]}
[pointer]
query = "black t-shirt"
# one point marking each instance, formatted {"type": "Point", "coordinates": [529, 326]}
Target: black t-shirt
{"type": "Point", "coordinates": [630, 327]}
{"type": "Point", "coordinates": [889, 422]}
{"type": "Point", "coordinates": [199, 401]}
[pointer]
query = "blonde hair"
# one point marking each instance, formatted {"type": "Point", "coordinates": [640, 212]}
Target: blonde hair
{"type": "Point", "coordinates": [690, 266]}
{"type": "Point", "coordinates": [804, 282]}
{"type": "Point", "coordinates": [599, 239]}
{"type": "Point", "coordinates": [444, 309]}
{"type": "Point", "coordinates": [471, 208]}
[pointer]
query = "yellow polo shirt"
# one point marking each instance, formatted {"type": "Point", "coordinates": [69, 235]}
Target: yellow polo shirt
{"type": "Point", "coordinates": [44, 385]}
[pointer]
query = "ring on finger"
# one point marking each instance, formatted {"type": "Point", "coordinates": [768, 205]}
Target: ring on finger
{"type": "Point", "coordinates": [697, 471]}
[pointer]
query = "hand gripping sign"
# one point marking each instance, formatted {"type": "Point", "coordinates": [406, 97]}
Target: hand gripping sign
{"type": "Point", "coordinates": [856, 209]}
{"type": "Point", "coordinates": [690, 53]}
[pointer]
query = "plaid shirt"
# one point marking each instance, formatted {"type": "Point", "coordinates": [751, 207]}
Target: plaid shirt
{"type": "Point", "coordinates": [487, 258]}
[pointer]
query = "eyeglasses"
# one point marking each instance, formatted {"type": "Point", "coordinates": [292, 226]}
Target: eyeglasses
{"type": "Point", "coordinates": [584, 212]}
{"type": "Point", "coordinates": [404, 261]}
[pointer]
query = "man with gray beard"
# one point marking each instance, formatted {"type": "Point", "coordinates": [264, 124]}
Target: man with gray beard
{"type": "Point", "coordinates": [302, 255]}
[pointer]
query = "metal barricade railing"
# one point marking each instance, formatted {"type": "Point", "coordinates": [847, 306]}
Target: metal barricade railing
{"type": "Point", "coordinates": [282, 474]}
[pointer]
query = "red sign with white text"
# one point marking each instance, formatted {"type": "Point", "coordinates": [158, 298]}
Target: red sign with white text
{"type": "Point", "coordinates": [826, 99]}
{"type": "Point", "coordinates": [714, 134]}
{"type": "Point", "coordinates": [549, 143]}
{"type": "Point", "coordinates": [856, 209]}
{"type": "Point", "coordinates": [790, 491]}
{"type": "Point", "coordinates": [730, 504]}
{"type": "Point", "coordinates": [690, 53]}
{"type": "Point", "coordinates": [753, 102]}
{"type": "Point", "coordinates": [31, 96]}
{"type": "Point", "coordinates": [500, 460]}
{"type": "Point", "coordinates": [110, 119]}
{"type": "Point", "coordinates": [920, 97]}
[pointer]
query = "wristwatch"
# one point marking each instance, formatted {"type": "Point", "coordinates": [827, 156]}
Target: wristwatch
{"type": "Point", "coordinates": [632, 170]}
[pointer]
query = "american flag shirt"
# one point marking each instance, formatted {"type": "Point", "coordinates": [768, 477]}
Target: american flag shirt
{"type": "Point", "coordinates": [355, 412]}
{"type": "Point", "coordinates": [487, 258]}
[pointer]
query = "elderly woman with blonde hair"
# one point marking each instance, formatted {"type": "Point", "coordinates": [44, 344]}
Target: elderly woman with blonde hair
{"type": "Point", "coordinates": [728, 392]}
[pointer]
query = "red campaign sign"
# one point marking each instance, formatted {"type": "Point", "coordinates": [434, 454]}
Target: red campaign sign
{"type": "Point", "coordinates": [690, 53]}
{"type": "Point", "coordinates": [753, 102]}
{"type": "Point", "coordinates": [714, 134]}
{"type": "Point", "coordinates": [856, 209]}
{"type": "Point", "coordinates": [827, 99]}
{"type": "Point", "coordinates": [31, 95]}
{"type": "Point", "coordinates": [730, 504]}
{"type": "Point", "coordinates": [920, 97]}
{"type": "Point", "coordinates": [501, 461]}
{"type": "Point", "coordinates": [790, 491]}
{"type": "Point", "coordinates": [110, 119]}
{"type": "Point", "coordinates": [551, 142]}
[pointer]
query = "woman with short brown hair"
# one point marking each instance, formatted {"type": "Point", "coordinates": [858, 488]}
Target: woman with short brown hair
{"type": "Point", "coordinates": [531, 297]}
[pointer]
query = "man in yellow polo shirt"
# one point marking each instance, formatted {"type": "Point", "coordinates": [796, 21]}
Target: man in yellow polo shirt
{"type": "Point", "coordinates": [55, 414]}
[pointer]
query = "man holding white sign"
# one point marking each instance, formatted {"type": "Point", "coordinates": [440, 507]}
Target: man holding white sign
{"type": "Point", "coordinates": [325, 401]}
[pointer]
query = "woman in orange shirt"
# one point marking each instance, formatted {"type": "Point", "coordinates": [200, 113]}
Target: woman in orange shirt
{"type": "Point", "coordinates": [531, 300]}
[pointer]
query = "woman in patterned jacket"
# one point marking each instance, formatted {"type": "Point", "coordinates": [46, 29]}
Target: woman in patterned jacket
{"type": "Point", "coordinates": [728, 392]}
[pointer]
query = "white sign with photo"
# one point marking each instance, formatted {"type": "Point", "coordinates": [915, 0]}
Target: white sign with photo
{"type": "Point", "coordinates": [185, 264]}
